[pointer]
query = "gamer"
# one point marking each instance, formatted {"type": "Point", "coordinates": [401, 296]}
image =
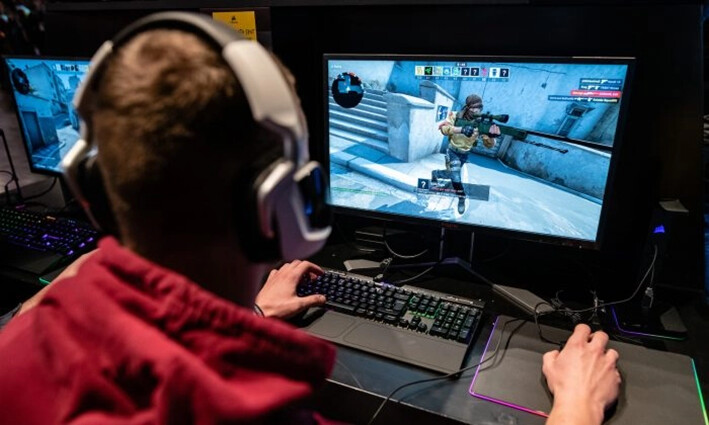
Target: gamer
{"type": "Point", "coordinates": [131, 337]}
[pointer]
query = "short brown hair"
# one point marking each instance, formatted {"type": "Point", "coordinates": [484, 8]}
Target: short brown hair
{"type": "Point", "coordinates": [172, 125]}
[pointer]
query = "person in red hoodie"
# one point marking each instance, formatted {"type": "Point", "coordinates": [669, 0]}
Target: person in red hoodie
{"type": "Point", "coordinates": [194, 158]}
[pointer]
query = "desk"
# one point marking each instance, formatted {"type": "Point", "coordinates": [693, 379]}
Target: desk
{"type": "Point", "coordinates": [360, 381]}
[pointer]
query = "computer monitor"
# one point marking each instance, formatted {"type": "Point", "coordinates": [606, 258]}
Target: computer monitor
{"type": "Point", "coordinates": [523, 146]}
{"type": "Point", "coordinates": [43, 89]}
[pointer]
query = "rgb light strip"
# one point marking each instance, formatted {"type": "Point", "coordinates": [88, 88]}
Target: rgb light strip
{"type": "Point", "coordinates": [546, 415]}
{"type": "Point", "coordinates": [699, 390]}
{"type": "Point", "coordinates": [626, 331]}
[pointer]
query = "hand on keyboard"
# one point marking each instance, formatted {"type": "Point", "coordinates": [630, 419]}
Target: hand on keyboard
{"type": "Point", "coordinates": [435, 314]}
{"type": "Point", "coordinates": [278, 296]}
{"type": "Point", "coordinates": [413, 325]}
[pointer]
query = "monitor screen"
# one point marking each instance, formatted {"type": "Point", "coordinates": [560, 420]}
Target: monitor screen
{"type": "Point", "coordinates": [43, 90]}
{"type": "Point", "coordinates": [521, 145]}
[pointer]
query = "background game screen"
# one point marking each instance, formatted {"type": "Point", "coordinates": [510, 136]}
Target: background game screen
{"type": "Point", "coordinates": [515, 145]}
{"type": "Point", "coordinates": [43, 90]}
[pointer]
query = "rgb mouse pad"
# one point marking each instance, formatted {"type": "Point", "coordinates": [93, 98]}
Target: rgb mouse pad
{"type": "Point", "coordinates": [658, 388]}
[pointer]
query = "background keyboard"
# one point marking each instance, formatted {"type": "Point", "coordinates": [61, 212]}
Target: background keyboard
{"type": "Point", "coordinates": [38, 243]}
{"type": "Point", "coordinates": [426, 328]}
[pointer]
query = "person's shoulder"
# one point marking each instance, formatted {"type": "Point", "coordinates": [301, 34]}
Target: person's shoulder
{"type": "Point", "coordinates": [31, 365]}
{"type": "Point", "coordinates": [19, 344]}
{"type": "Point", "coordinates": [14, 328]}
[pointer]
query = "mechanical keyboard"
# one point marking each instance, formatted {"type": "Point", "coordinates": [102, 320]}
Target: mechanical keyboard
{"type": "Point", "coordinates": [38, 243]}
{"type": "Point", "coordinates": [413, 325]}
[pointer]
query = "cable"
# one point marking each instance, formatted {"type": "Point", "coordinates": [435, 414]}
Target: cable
{"type": "Point", "coordinates": [650, 269]}
{"type": "Point", "coordinates": [39, 195]}
{"type": "Point", "coordinates": [602, 305]}
{"type": "Point", "coordinates": [394, 253]}
{"type": "Point", "coordinates": [402, 256]}
{"type": "Point", "coordinates": [409, 279]}
{"type": "Point", "coordinates": [352, 375]}
{"type": "Point", "coordinates": [596, 305]}
{"type": "Point", "coordinates": [13, 178]}
{"type": "Point", "coordinates": [12, 172]}
{"type": "Point", "coordinates": [536, 315]}
{"type": "Point", "coordinates": [385, 266]}
{"type": "Point", "coordinates": [450, 375]}
{"type": "Point", "coordinates": [539, 328]}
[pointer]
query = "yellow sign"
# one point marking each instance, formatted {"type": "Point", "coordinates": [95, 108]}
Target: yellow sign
{"type": "Point", "coordinates": [244, 22]}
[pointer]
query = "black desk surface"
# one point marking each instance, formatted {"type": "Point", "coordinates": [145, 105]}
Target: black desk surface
{"type": "Point", "coordinates": [360, 381]}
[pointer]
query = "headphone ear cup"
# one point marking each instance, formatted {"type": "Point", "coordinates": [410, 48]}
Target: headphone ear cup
{"type": "Point", "coordinates": [255, 245]}
{"type": "Point", "coordinates": [95, 199]}
{"type": "Point", "coordinates": [312, 185]}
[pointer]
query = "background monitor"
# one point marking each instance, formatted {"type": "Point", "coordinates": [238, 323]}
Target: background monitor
{"type": "Point", "coordinates": [546, 177]}
{"type": "Point", "coordinates": [43, 90]}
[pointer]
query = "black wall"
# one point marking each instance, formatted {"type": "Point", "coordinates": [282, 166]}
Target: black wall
{"type": "Point", "coordinates": [661, 150]}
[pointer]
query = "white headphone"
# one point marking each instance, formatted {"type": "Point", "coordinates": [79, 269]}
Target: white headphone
{"type": "Point", "coordinates": [287, 203]}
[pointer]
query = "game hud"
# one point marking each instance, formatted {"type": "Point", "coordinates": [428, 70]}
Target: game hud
{"type": "Point", "coordinates": [519, 145]}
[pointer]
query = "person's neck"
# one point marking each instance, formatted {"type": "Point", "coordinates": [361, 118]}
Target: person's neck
{"type": "Point", "coordinates": [221, 270]}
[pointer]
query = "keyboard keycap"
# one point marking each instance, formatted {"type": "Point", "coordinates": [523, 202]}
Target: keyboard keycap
{"type": "Point", "coordinates": [408, 311]}
{"type": "Point", "coordinates": [340, 307]}
{"type": "Point", "coordinates": [38, 243]}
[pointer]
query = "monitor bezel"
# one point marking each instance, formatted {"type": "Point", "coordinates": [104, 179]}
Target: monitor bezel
{"type": "Point", "coordinates": [507, 233]}
{"type": "Point", "coordinates": [20, 123]}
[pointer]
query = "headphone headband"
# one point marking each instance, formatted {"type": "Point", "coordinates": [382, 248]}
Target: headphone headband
{"type": "Point", "coordinates": [271, 99]}
{"type": "Point", "coordinates": [286, 215]}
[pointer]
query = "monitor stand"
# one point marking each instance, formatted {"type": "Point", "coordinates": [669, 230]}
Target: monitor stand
{"type": "Point", "coordinates": [13, 174]}
{"type": "Point", "coordinates": [443, 261]}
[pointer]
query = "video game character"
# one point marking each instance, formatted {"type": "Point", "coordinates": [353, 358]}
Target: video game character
{"type": "Point", "coordinates": [461, 139]}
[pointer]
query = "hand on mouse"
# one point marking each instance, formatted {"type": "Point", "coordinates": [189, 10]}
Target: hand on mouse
{"type": "Point", "coordinates": [583, 378]}
{"type": "Point", "coordinates": [278, 299]}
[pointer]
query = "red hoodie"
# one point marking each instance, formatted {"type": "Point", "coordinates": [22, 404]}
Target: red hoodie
{"type": "Point", "coordinates": [129, 342]}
